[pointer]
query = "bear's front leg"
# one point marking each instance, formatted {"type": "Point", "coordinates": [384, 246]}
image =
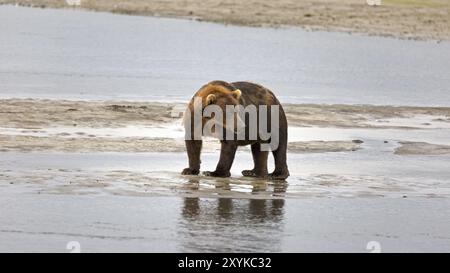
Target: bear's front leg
{"type": "Point", "coordinates": [193, 148]}
{"type": "Point", "coordinates": [227, 153]}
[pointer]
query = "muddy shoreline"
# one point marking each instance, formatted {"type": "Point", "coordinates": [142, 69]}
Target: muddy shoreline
{"type": "Point", "coordinates": [36, 113]}
{"type": "Point", "coordinates": [142, 145]}
{"type": "Point", "coordinates": [30, 125]}
{"type": "Point", "coordinates": [401, 19]}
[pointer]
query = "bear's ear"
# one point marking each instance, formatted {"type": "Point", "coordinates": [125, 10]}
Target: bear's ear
{"type": "Point", "coordinates": [237, 94]}
{"type": "Point", "coordinates": [210, 99]}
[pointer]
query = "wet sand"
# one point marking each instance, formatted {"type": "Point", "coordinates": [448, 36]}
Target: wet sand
{"type": "Point", "coordinates": [313, 175]}
{"type": "Point", "coordinates": [37, 114]}
{"type": "Point", "coordinates": [420, 148]}
{"type": "Point", "coordinates": [320, 136]}
{"type": "Point", "coordinates": [132, 202]}
{"type": "Point", "coordinates": [100, 173]}
{"type": "Point", "coordinates": [404, 19]}
{"type": "Point", "coordinates": [138, 145]}
{"type": "Point", "coordinates": [77, 126]}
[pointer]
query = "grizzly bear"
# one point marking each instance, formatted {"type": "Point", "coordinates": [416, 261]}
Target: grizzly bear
{"type": "Point", "coordinates": [225, 96]}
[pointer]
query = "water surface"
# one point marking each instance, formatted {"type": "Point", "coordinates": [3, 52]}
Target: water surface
{"type": "Point", "coordinates": [47, 53]}
{"type": "Point", "coordinates": [47, 223]}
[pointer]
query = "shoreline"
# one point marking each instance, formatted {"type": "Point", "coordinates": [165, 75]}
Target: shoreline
{"type": "Point", "coordinates": [395, 19]}
{"type": "Point", "coordinates": [28, 125]}
{"type": "Point", "coordinates": [120, 113]}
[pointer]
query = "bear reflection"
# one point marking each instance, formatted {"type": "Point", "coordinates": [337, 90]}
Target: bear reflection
{"type": "Point", "coordinates": [231, 225]}
{"type": "Point", "coordinates": [227, 208]}
{"type": "Point", "coordinates": [225, 186]}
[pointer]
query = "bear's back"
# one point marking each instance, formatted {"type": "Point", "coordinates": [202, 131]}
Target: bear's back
{"type": "Point", "coordinates": [256, 94]}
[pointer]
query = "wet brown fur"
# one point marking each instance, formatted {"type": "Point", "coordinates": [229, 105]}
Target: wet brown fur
{"type": "Point", "coordinates": [254, 94]}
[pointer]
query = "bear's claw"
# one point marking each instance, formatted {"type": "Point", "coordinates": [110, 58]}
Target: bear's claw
{"type": "Point", "coordinates": [278, 176]}
{"type": "Point", "coordinates": [253, 173]}
{"type": "Point", "coordinates": [189, 171]}
{"type": "Point", "coordinates": [216, 174]}
{"type": "Point", "coordinates": [248, 173]}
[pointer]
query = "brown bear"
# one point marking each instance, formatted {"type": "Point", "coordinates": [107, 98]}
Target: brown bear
{"type": "Point", "coordinates": [249, 95]}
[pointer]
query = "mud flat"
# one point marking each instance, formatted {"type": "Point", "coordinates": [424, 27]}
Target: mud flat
{"type": "Point", "coordinates": [139, 145]}
{"type": "Point", "coordinates": [313, 175]}
{"type": "Point", "coordinates": [325, 141]}
{"type": "Point", "coordinates": [405, 19]}
{"type": "Point", "coordinates": [100, 173]}
{"type": "Point", "coordinates": [36, 114]}
{"type": "Point", "coordinates": [118, 126]}
{"type": "Point", "coordinates": [422, 148]}
{"type": "Point", "coordinates": [139, 202]}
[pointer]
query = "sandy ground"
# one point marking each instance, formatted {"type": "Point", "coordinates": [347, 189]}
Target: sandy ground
{"type": "Point", "coordinates": [10, 143]}
{"type": "Point", "coordinates": [88, 172]}
{"type": "Point", "coordinates": [357, 175]}
{"type": "Point", "coordinates": [75, 126]}
{"type": "Point", "coordinates": [418, 148]}
{"type": "Point", "coordinates": [397, 18]}
{"type": "Point", "coordinates": [36, 114]}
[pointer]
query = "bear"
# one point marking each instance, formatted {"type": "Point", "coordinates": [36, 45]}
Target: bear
{"type": "Point", "coordinates": [221, 94]}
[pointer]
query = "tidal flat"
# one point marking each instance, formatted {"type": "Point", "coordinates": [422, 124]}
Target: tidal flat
{"type": "Point", "coordinates": [91, 142]}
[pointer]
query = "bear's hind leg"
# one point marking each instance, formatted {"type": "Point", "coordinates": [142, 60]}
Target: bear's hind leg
{"type": "Point", "coordinates": [281, 171]}
{"type": "Point", "coordinates": [260, 161]}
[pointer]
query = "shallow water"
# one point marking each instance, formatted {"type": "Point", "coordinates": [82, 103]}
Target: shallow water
{"type": "Point", "coordinates": [364, 173]}
{"type": "Point", "coordinates": [46, 53]}
{"type": "Point", "coordinates": [138, 202]}
{"type": "Point", "coordinates": [414, 130]}
{"type": "Point", "coordinates": [43, 222]}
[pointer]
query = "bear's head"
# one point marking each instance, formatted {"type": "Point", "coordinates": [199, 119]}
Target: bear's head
{"type": "Point", "coordinates": [220, 94]}
{"type": "Point", "coordinates": [213, 101]}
